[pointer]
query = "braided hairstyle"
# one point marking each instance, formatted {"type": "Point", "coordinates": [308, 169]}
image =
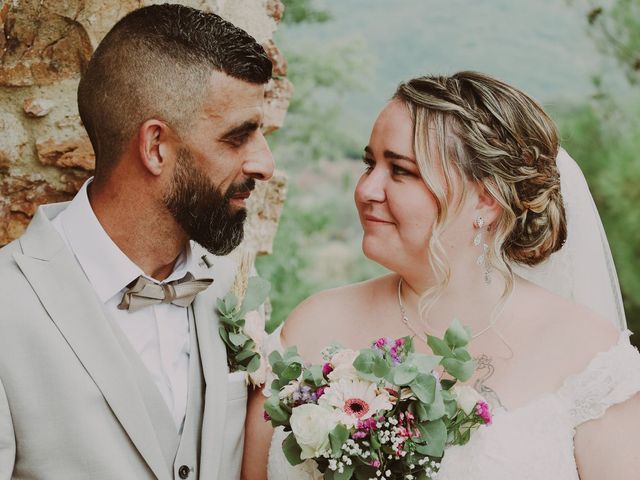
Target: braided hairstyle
{"type": "Point", "coordinates": [472, 126]}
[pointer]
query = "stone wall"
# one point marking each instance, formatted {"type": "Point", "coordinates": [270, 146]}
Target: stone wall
{"type": "Point", "coordinates": [45, 155]}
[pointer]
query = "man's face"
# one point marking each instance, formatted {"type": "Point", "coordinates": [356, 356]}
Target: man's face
{"type": "Point", "coordinates": [222, 155]}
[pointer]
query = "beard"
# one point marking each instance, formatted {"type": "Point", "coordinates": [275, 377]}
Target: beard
{"type": "Point", "coordinates": [201, 208]}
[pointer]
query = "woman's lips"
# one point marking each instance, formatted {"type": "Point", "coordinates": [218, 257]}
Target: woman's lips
{"type": "Point", "coordinates": [377, 220]}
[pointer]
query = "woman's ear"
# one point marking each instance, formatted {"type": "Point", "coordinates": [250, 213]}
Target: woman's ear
{"type": "Point", "coordinates": [154, 137]}
{"type": "Point", "coordinates": [486, 205]}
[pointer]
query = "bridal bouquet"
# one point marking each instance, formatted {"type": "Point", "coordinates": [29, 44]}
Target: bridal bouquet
{"type": "Point", "coordinates": [381, 413]}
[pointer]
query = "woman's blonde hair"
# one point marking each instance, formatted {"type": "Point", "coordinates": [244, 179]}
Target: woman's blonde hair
{"type": "Point", "coordinates": [474, 127]}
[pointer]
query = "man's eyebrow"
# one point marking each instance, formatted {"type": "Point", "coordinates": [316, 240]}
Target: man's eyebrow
{"type": "Point", "coordinates": [240, 130]}
{"type": "Point", "coordinates": [391, 154]}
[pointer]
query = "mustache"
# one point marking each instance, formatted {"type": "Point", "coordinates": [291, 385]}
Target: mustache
{"type": "Point", "coordinates": [244, 187]}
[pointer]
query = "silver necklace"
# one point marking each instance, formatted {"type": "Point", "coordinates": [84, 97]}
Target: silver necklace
{"type": "Point", "coordinates": [407, 322]}
{"type": "Point", "coordinates": [404, 316]}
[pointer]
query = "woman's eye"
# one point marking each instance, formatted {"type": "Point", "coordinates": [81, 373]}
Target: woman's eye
{"type": "Point", "coordinates": [369, 164]}
{"type": "Point", "coordinates": [396, 170]}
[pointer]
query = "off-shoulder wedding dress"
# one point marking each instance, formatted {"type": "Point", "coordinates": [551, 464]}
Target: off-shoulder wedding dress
{"type": "Point", "coordinates": [535, 441]}
{"type": "Point", "coordinates": [531, 442]}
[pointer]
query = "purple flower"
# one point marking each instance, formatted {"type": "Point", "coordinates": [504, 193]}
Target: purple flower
{"type": "Point", "coordinates": [327, 368]}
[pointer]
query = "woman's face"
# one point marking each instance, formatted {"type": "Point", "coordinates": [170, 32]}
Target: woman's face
{"type": "Point", "coordinates": [395, 206]}
{"type": "Point", "coordinates": [397, 211]}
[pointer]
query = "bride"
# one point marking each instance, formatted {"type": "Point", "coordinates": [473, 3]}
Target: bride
{"type": "Point", "coordinates": [460, 190]}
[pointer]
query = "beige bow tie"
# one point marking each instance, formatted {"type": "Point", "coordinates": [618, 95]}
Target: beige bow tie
{"type": "Point", "coordinates": [144, 292]}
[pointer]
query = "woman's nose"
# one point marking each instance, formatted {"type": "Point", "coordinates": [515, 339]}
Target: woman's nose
{"type": "Point", "coordinates": [371, 187]}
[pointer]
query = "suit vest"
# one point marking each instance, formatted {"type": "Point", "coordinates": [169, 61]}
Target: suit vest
{"type": "Point", "coordinates": [181, 452]}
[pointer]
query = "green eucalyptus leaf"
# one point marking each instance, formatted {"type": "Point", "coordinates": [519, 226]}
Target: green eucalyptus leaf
{"type": "Point", "coordinates": [230, 302]}
{"type": "Point", "coordinates": [380, 367]}
{"type": "Point", "coordinates": [439, 346]}
{"type": "Point", "coordinates": [313, 375]}
{"type": "Point", "coordinates": [459, 369]}
{"type": "Point", "coordinates": [456, 335]}
{"type": "Point", "coordinates": [461, 353]}
{"type": "Point", "coordinates": [435, 435]}
{"type": "Point", "coordinates": [337, 437]}
{"type": "Point", "coordinates": [404, 374]}
{"type": "Point", "coordinates": [291, 355]}
{"type": "Point", "coordinates": [254, 364]}
{"type": "Point", "coordinates": [425, 363]}
{"type": "Point", "coordinates": [447, 384]}
{"type": "Point", "coordinates": [257, 292]}
{"type": "Point", "coordinates": [375, 442]}
{"type": "Point", "coordinates": [223, 334]}
{"type": "Point", "coordinates": [238, 339]}
{"type": "Point", "coordinates": [279, 416]}
{"type": "Point", "coordinates": [292, 450]}
{"type": "Point", "coordinates": [291, 371]}
{"type": "Point", "coordinates": [365, 361]}
{"type": "Point", "coordinates": [420, 410]}
{"type": "Point", "coordinates": [274, 357]}
{"type": "Point", "coordinates": [436, 409]}
{"type": "Point", "coordinates": [451, 408]}
{"type": "Point", "coordinates": [424, 387]}
{"type": "Point", "coordinates": [245, 354]}
{"type": "Point", "coordinates": [220, 306]}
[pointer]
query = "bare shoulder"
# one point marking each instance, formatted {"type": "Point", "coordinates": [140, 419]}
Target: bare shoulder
{"type": "Point", "coordinates": [571, 335]}
{"type": "Point", "coordinates": [330, 316]}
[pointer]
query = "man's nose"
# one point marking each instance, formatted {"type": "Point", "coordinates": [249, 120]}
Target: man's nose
{"type": "Point", "coordinates": [259, 164]}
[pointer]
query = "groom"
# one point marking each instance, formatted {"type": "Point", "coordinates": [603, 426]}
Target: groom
{"type": "Point", "coordinates": [109, 369]}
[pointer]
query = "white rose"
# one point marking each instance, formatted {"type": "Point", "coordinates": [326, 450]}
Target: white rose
{"type": "Point", "coordinates": [466, 397]}
{"type": "Point", "coordinates": [311, 425]}
{"type": "Point", "coordinates": [254, 327]}
{"type": "Point", "coordinates": [342, 363]}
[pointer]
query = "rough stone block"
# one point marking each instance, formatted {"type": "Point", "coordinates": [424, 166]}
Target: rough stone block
{"type": "Point", "coordinates": [37, 107]}
{"type": "Point", "coordinates": [264, 208]}
{"type": "Point", "coordinates": [277, 97]}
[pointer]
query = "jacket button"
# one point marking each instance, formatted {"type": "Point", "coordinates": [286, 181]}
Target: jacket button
{"type": "Point", "coordinates": [184, 471]}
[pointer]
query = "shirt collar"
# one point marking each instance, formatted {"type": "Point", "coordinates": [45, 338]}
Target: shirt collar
{"type": "Point", "coordinates": [107, 267]}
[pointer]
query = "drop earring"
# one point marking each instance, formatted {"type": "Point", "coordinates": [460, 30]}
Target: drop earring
{"type": "Point", "coordinates": [482, 260]}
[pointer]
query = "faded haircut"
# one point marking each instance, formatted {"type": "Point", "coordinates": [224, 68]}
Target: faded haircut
{"type": "Point", "coordinates": [155, 63]}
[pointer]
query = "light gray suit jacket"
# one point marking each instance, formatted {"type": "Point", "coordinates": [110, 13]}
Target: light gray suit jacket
{"type": "Point", "coordinates": [70, 407]}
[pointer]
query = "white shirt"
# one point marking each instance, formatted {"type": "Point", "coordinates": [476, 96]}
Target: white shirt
{"type": "Point", "coordinates": [158, 333]}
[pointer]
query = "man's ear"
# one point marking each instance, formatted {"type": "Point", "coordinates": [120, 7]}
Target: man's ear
{"type": "Point", "coordinates": [486, 205]}
{"type": "Point", "coordinates": [155, 147]}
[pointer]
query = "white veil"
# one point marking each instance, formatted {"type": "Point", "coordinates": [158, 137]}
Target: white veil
{"type": "Point", "coordinates": [583, 269]}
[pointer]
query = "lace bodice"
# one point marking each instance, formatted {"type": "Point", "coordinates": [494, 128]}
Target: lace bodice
{"type": "Point", "coordinates": [531, 442]}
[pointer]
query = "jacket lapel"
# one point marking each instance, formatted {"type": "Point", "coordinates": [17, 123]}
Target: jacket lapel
{"type": "Point", "coordinates": [214, 360]}
{"type": "Point", "coordinates": [68, 298]}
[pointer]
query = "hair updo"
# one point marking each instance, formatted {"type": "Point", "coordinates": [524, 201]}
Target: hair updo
{"type": "Point", "coordinates": [497, 136]}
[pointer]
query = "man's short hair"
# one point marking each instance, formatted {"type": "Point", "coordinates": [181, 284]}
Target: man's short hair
{"type": "Point", "coordinates": [155, 63]}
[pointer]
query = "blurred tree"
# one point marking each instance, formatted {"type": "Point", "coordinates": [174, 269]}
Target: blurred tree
{"type": "Point", "coordinates": [304, 11]}
{"type": "Point", "coordinates": [604, 135]}
{"type": "Point", "coordinates": [314, 130]}
{"type": "Point", "coordinates": [616, 28]}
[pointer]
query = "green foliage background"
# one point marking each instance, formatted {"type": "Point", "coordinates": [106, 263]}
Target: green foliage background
{"type": "Point", "coordinates": [318, 243]}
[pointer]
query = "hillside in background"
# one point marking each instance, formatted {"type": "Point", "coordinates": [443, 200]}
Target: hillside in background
{"type": "Point", "coordinates": [346, 66]}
